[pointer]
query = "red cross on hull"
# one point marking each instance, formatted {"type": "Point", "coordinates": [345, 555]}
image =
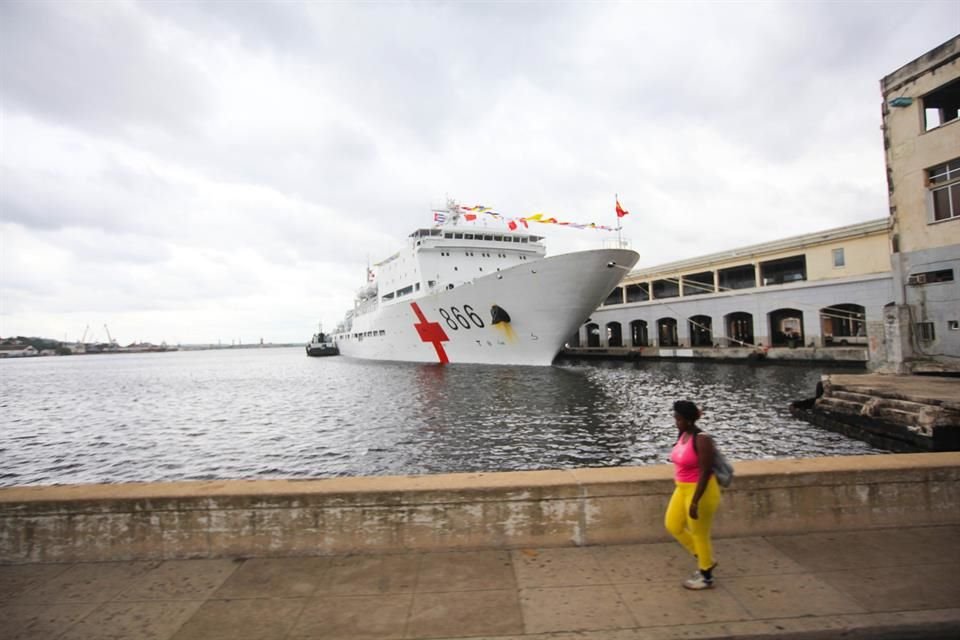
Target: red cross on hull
{"type": "Point", "coordinates": [431, 332]}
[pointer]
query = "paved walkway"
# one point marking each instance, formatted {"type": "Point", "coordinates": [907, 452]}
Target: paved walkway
{"type": "Point", "coordinates": [892, 583]}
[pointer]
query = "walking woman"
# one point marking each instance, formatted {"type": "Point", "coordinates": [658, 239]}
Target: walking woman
{"type": "Point", "coordinates": [696, 496]}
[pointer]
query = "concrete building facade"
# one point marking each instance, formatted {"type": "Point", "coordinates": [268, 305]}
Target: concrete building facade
{"type": "Point", "coordinates": [921, 124]}
{"type": "Point", "coordinates": [820, 289]}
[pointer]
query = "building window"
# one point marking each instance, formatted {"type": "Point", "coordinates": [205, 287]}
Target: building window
{"type": "Point", "coordinates": [838, 258]}
{"type": "Point", "coordinates": [925, 331]}
{"type": "Point", "coordinates": [742, 277]}
{"type": "Point", "coordinates": [941, 106]}
{"type": "Point", "coordinates": [930, 277]}
{"type": "Point", "coordinates": [666, 288]}
{"type": "Point", "coordinates": [615, 297]}
{"type": "Point", "coordinates": [784, 270]}
{"type": "Point", "coordinates": [637, 293]}
{"type": "Point", "coordinates": [695, 284]}
{"type": "Point", "coordinates": [944, 184]}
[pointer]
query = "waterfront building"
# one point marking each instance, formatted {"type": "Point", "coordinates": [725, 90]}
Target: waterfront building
{"type": "Point", "coordinates": [921, 135]}
{"type": "Point", "coordinates": [820, 289]}
{"type": "Point", "coordinates": [17, 350]}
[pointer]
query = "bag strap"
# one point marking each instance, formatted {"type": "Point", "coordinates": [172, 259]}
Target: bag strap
{"type": "Point", "coordinates": [696, 431]}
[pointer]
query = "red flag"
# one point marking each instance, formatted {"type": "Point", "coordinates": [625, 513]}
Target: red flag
{"type": "Point", "coordinates": [470, 216]}
{"type": "Point", "coordinates": [620, 210]}
{"type": "Point", "coordinates": [512, 225]}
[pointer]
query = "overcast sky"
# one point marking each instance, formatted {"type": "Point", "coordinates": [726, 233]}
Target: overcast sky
{"type": "Point", "coordinates": [195, 172]}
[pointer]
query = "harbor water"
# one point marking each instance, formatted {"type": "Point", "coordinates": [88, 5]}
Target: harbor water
{"type": "Point", "coordinates": [275, 413]}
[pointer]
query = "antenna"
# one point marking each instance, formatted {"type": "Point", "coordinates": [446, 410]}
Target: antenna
{"type": "Point", "coordinates": [454, 210]}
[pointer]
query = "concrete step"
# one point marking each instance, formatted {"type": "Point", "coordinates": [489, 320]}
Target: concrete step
{"type": "Point", "coordinates": [836, 405]}
{"type": "Point", "coordinates": [906, 405]}
{"type": "Point", "coordinates": [850, 396]}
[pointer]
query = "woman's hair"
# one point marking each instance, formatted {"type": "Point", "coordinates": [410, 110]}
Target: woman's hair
{"type": "Point", "coordinates": [686, 409]}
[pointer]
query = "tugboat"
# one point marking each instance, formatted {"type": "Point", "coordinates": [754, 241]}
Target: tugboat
{"type": "Point", "coordinates": [319, 345]}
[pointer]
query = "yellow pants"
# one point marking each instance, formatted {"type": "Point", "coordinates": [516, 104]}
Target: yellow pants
{"type": "Point", "coordinates": [694, 535]}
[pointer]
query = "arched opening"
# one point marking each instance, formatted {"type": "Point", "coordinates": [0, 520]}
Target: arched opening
{"type": "Point", "coordinates": [667, 332]}
{"type": "Point", "coordinates": [740, 328]}
{"type": "Point", "coordinates": [574, 340]}
{"type": "Point", "coordinates": [614, 334]}
{"type": "Point", "coordinates": [701, 331]}
{"type": "Point", "coordinates": [843, 324]}
{"type": "Point", "coordinates": [593, 335]}
{"type": "Point", "coordinates": [638, 333]}
{"type": "Point", "coordinates": [786, 328]}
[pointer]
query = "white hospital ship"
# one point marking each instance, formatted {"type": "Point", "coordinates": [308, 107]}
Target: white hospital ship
{"type": "Point", "coordinates": [462, 293]}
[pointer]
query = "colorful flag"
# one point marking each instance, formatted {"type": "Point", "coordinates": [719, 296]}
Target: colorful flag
{"type": "Point", "coordinates": [439, 217]}
{"type": "Point", "coordinates": [469, 216]}
{"type": "Point", "coordinates": [620, 210]}
{"type": "Point", "coordinates": [512, 225]}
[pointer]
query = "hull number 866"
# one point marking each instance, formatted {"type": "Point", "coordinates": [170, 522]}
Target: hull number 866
{"type": "Point", "coordinates": [466, 319]}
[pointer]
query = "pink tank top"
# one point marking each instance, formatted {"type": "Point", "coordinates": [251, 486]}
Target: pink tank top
{"type": "Point", "coordinates": [685, 461]}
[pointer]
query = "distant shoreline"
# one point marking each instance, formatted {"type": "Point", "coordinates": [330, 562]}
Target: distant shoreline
{"type": "Point", "coordinates": [49, 348]}
{"type": "Point", "coordinates": [205, 347]}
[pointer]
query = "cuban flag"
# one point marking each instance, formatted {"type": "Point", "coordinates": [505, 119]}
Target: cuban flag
{"type": "Point", "coordinates": [439, 217]}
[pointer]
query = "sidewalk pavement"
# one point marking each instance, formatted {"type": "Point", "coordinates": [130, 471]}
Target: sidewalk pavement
{"type": "Point", "coordinates": [889, 583]}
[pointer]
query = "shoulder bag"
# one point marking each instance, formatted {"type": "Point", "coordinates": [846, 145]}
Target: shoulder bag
{"type": "Point", "coordinates": [722, 469]}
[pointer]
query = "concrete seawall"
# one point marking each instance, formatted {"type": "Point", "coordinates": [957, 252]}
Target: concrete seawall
{"type": "Point", "coordinates": [461, 511]}
{"type": "Point", "coordinates": [853, 357]}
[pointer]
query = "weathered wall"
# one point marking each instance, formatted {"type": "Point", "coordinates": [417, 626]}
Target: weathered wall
{"type": "Point", "coordinates": [543, 508]}
{"type": "Point", "coordinates": [911, 150]}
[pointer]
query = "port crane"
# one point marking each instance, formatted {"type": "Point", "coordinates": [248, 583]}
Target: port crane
{"type": "Point", "coordinates": [110, 339]}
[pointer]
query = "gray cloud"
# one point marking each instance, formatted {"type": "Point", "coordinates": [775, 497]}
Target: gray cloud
{"type": "Point", "coordinates": [95, 65]}
{"type": "Point", "coordinates": [202, 161]}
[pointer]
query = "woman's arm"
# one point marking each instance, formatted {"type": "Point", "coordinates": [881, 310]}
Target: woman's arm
{"type": "Point", "coordinates": [705, 453]}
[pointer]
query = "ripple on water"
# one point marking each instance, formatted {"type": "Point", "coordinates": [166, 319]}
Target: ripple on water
{"type": "Point", "coordinates": [275, 413]}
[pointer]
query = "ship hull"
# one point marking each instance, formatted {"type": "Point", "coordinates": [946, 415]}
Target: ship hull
{"type": "Point", "coordinates": [546, 302]}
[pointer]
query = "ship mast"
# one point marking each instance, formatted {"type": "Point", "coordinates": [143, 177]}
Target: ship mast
{"type": "Point", "coordinates": [454, 209]}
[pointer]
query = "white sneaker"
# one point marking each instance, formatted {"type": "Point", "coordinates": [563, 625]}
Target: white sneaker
{"type": "Point", "coordinates": [698, 582]}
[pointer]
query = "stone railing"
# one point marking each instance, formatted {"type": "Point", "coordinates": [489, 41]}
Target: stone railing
{"type": "Point", "coordinates": [487, 510]}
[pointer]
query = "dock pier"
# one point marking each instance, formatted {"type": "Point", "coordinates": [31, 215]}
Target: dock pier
{"type": "Point", "coordinates": [895, 412]}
